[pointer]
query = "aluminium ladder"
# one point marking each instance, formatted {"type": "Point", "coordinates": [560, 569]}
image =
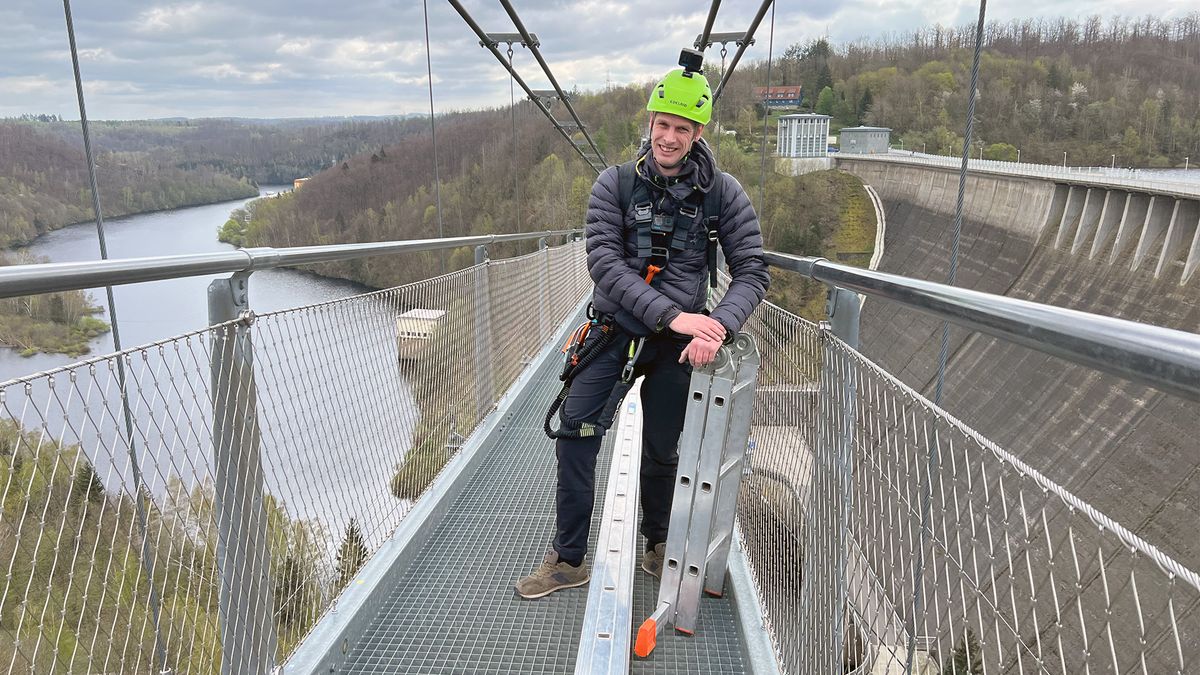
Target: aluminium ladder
{"type": "Point", "coordinates": [712, 448]}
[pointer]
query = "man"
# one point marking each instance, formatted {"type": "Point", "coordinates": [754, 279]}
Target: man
{"type": "Point", "coordinates": [649, 259]}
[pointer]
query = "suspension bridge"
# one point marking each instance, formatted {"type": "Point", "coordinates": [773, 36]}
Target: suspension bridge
{"type": "Point", "coordinates": [354, 486]}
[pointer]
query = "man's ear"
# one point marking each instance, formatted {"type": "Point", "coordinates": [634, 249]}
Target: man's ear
{"type": "Point", "coordinates": [699, 132]}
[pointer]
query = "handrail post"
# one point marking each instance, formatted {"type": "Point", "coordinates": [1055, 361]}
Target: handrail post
{"type": "Point", "coordinates": [483, 335]}
{"type": "Point", "coordinates": [839, 394]}
{"type": "Point", "coordinates": [245, 598]}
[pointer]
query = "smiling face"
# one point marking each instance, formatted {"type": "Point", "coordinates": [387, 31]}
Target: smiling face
{"type": "Point", "coordinates": [671, 138]}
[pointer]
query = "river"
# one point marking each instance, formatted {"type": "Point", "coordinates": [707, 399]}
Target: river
{"type": "Point", "coordinates": [335, 421]}
{"type": "Point", "coordinates": [153, 311]}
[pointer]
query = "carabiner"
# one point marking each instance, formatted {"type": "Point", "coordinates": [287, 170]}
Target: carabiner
{"type": "Point", "coordinates": [635, 350]}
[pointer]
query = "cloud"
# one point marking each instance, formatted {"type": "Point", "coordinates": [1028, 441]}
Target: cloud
{"type": "Point", "coordinates": [27, 84]}
{"type": "Point", "coordinates": [273, 58]}
{"type": "Point", "coordinates": [174, 19]}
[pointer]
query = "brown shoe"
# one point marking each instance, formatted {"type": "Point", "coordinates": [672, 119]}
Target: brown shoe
{"type": "Point", "coordinates": [551, 576]}
{"type": "Point", "coordinates": [652, 561]}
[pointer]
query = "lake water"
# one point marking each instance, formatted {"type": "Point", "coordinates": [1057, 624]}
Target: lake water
{"type": "Point", "coordinates": [335, 412]}
{"type": "Point", "coordinates": [153, 311]}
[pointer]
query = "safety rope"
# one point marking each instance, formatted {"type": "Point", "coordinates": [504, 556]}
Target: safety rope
{"type": "Point", "coordinates": [135, 466]}
{"type": "Point", "coordinates": [437, 182]}
{"type": "Point", "coordinates": [934, 459]}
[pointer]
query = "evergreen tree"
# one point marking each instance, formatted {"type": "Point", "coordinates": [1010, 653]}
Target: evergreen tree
{"type": "Point", "coordinates": [86, 485]}
{"type": "Point", "coordinates": [967, 658]}
{"type": "Point", "coordinates": [864, 104]}
{"type": "Point", "coordinates": [824, 76]}
{"type": "Point", "coordinates": [352, 554]}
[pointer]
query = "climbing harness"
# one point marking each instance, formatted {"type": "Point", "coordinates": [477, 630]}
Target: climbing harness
{"type": "Point", "coordinates": [659, 230]}
{"type": "Point", "coordinates": [579, 353]}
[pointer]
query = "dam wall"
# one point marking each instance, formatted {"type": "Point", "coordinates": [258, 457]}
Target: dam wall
{"type": "Point", "coordinates": [1129, 450]}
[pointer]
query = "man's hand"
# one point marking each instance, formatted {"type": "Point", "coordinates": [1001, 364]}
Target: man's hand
{"type": "Point", "coordinates": [700, 351]}
{"type": "Point", "coordinates": [699, 326]}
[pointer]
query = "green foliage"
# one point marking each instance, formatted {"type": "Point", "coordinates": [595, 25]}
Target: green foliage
{"type": "Point", "coordinates": [86, 486]}
{"type": "Point", "coordinates": [74, 547]}
{"type": "Point", "coordinates": [1086, 87]}
{"type": "Point", "coordinates": [1000, 151]}
{"type": "Point", "coordinates": [351, 555]}
{"type": "Point", "coordinates": [56, 323]}
{"type": "Point", "coordinates": [232, 232]}
{"type": "Point", "coordinates": [825, 102]}
{"type": "Point", "coordinates": [967, 658]}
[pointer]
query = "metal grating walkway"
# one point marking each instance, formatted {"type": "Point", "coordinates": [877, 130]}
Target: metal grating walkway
{"type": "Point", "coordinates": [453, 609]}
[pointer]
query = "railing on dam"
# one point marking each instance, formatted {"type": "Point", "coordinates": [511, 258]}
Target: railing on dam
{"type": "Point", "coordinates": [1131, 179]}
{"type": "Point", "coordinates": [265, 458]}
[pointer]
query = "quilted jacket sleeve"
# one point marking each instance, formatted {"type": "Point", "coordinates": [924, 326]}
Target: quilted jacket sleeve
{"type": "Point", "coordinates": [606, 258]}
{"type": "Point", "coordinates": [742, 243]}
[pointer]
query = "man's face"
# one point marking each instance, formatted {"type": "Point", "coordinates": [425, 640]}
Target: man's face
{"type": "Point", "coordinates": [671, 137]}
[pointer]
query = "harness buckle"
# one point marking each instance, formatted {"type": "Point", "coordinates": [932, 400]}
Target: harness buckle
{"type": "Point", "coordinates": [661, 252]}
{"type": "Point", "coordinates": [688, 210]}
{"type": "Point", "coordinates": [662, 224]}
{"type": "Point", "coordinates": [643, 213]}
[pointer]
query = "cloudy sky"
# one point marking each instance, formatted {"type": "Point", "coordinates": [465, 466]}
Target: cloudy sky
{"type": "Point", "coordinates": [302, 58]}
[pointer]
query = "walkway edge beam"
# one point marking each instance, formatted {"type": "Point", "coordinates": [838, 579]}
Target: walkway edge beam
{"type": "Point", "coordinates": [1162, 358]}
{"type": "Point", "coordinates": [18, 280]}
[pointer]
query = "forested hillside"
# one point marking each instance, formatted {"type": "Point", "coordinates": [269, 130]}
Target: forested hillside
{"type": "Point", "coordinates": [44, 183]}
{"type": "Point", "coordinates": [1088, 87]}
{"type": "Point", "coordinates": [152, 165]}
{"type": "Point", "coordinates": [491, 182]}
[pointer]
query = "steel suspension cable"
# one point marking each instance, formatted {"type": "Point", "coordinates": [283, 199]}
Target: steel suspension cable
{"type": "Point", "coordinates": [958, 203]}
{"type": "Point", "coordinates": [512, 107]}
{"type": "Point", "coordinates": [737, 56]}
{"type": "Point", "coordinates": [437, 181]}
{"type": "Point", "coordinates": [490, 46]}
{"type": "Point", "coordinates": [708, 24]}
{"type": "Point", "coordinates": [934, 459]}
{"type": "Point", "coordinates": [717, 111]}
{"type": "Point", "coordinates": [533, 47]}
{"type": "Point", "coordinates": [762, 174]}
{"type": "Point", "coordinates": [147, 557]}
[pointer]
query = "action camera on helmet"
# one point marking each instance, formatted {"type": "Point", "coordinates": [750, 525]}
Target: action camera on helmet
{"type": "Point", "coordinates": [691, 60]}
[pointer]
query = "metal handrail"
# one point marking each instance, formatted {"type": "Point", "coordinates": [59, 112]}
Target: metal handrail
{"type": "Point", "coordinates": [18, 280]}
{"type": "Point", "coordinates": [1162, 358]}
{"type": "Point", "coordinates": [1121, 179]}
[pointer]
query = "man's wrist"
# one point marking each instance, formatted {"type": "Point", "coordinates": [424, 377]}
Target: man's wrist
{"type": "Point", "coordinates": [665, 319]}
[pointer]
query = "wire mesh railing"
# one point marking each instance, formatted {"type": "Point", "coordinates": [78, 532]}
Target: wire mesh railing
{"type": "Point", "coordinates": [123, 554]}
{"type": "Point", "coordinates": [887, 537]}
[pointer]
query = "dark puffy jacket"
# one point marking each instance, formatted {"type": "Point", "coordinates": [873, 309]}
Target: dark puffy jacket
{"type": "Point", "coordinates": [615, 267]}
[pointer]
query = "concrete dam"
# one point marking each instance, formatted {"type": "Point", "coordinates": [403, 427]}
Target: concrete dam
{"type": "Point", "coordinates": [1129, 450]}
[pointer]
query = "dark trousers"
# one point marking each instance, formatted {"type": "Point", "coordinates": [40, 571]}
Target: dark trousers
{"type": "Point", "coordinates": [664, 401]}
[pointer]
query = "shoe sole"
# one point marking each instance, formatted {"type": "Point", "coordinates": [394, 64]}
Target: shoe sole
{"type": "Point", "coordinates": [543, 594]}
{"type": "Point", "coordinates": [657, 575]}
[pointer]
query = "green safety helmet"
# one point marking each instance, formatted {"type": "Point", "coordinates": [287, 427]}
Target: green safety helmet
{"type": "Point", "coordinates": [686, 94]}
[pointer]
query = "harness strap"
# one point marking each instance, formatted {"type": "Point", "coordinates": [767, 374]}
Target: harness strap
{"type": "Point", "coordinates": [657, 234]}
{"type": "Point", "coordinates": [619, 390]}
